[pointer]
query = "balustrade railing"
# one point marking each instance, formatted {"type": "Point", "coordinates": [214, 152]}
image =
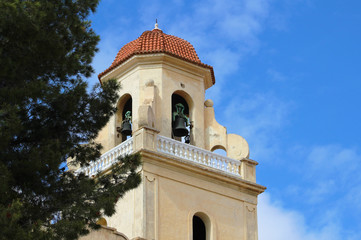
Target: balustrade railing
{"type": "Point", "coordinates": [169, 146]}
{"type": "Point", "coordinates": [108, 158]}
{"type": "Point", "coordinates": [198, 155]}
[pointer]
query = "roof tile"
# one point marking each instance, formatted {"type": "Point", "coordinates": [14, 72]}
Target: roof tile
{"type": "Point", "coordinates": [156, 41]}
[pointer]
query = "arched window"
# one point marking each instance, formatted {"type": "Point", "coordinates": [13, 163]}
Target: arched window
{"type": "Point", "coordinates": [124, 109]}
{"type": "Point", "coordinates": [181, 120]}
{"type": "Point", "coordinates": [199, 229]}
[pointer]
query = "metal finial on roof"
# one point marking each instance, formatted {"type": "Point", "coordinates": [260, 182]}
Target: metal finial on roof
{"type": "Point", "coordinates": [156, 25]}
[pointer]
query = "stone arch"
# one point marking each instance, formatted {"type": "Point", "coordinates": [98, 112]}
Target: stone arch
{"type": "Point", "coordinates": [124, 104]}
{"type": "Point", "coordinates": [201, 226]}
{"type": "Point", "coordinates": [180, 96]}
{"type": "Point", "coordinates": [219, 147]}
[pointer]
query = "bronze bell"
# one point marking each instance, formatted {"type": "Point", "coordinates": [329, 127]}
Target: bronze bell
{"type": "Point", "coordinates": [126, 128]}
{"type": "Point", "coordinates": [179, 129]}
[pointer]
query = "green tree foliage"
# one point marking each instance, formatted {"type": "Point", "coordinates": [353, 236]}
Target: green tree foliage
{"type": "Point", "coordinates": [47, 116]}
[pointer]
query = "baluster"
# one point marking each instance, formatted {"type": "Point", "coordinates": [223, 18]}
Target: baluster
{"type": "Point", "coordinates": [195, 155]}
{"type": "Point", "coordinates": [227, 166]}
{"type": "Point", "coordinates": [160, 145]}
{"type": "Point", "coordinates": [123, 150]}
{"type": "Point", "coordinates": [166, 147]}
{"type": "Point", "coordinates": [126, 148]}
{"type": "Point", "coordinates": [237, 169]}
{"type": "Point", "coordinates": [223, 166]}
{"type": "Point", "coordinates": [200, 158]}
{"type": "Point", "coordinates": [190, 154]}
{"type": "Point", "coordinates": [171, 150]}
{"type": "Point", "coordinates": [176, 149]}
{"type": "Point", "coordinates": [208, 159]}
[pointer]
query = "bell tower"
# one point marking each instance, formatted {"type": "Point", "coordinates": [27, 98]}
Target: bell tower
{"type": "Point", "coordinates": [187, 191]}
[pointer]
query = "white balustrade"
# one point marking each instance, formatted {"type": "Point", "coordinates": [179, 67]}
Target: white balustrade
{"type": "Point", "coordinates": [198, 155]}
{"type": "Point", "coordinates": [108, 158]}
{"type": "Point", "coordinates": [168, 146]}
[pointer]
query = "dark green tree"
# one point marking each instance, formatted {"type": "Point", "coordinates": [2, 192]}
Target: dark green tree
{"type": "Point", "coordinates": [47, 115]}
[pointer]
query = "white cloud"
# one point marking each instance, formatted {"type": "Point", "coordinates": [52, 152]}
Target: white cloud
{"type": "Point", "coordinates": [258, 118]}
{"type": "Point", "coordinates": [222, 33]}
{"type": "Point", "coordinates": [329, 170]}
{"type": "Point", "coordinates": [278, 223]}
{"type": "Point", "coordinates": [334, 160]}
{"type": "Point", "coordinates": [327, 184]}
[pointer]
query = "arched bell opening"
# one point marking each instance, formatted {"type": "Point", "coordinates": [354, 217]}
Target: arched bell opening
{"type": "Point", "coordinates": [201, 227]}
{"type": "Point", "coordinates": [123, 121]}
{"type": "Point", "coordinates": [219, 149]}
{"type": "Point", "coordinates": [181, 117]}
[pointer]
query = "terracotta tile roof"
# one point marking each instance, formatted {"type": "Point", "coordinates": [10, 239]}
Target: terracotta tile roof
{"type": "Point", "coordinates": [156, 41]}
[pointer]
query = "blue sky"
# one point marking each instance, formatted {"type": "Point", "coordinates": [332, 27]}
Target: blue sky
{"type": "Point", "coordinates": [288, 79]}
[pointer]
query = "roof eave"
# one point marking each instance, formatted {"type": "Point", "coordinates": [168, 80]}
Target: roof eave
{"type": "Point", "coordinates": [114, 66]}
